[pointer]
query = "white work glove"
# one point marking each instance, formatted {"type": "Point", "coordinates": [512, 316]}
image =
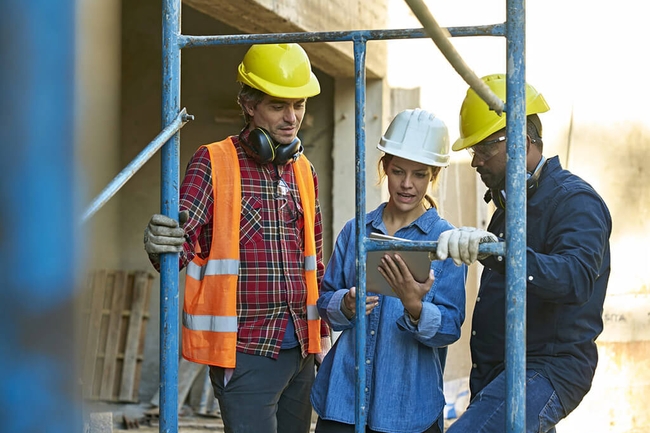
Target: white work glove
{"type": "Point", "coordinates": [164, 235]}
{"type": "Point", "coordinates": [462, 244]}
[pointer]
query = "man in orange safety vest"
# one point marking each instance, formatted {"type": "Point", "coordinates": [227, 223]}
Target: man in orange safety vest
{"type": "Point", "coordinates": [250, 235]}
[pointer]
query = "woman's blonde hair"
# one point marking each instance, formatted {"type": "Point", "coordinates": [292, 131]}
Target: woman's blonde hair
{"type": "Point", "coordinates": [385, 160]}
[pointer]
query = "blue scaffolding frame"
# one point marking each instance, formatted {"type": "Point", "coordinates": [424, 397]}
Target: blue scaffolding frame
{"type": "Point", "coordinates": [38, 87]}
{"type": "Point", "coordinates": [514, 31]}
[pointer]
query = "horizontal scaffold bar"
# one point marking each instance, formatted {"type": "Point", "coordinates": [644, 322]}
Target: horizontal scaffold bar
{"type": "Point", "coordinates": [187, 41]}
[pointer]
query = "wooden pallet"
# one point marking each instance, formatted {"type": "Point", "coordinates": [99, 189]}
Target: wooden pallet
{"type": "Point", "coordinates": [115, 311]}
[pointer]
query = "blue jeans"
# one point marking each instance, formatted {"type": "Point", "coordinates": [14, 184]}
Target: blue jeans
{"type": "Point", "coordinates": [487, 410]}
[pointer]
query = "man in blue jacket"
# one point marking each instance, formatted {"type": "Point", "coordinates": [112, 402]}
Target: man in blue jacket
{"type": "Point", "coordinates": [567, 269]}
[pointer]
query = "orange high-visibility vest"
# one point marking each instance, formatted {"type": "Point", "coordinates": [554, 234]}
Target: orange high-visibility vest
{"type": "Point", "coordinates": [210, 306]}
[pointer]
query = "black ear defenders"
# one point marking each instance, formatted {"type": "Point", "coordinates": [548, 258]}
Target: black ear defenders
{"type": "Point", "coordinates": [264, 149]}
{"type": "Point", "coordinates": [532, 180]}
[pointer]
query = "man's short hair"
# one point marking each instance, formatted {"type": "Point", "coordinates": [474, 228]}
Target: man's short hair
{"type": "Point", "coordinates": [249, 96]}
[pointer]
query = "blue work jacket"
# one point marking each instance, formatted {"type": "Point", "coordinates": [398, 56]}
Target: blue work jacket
{"type": "Point", "coordinates": [404, 369]}
{"type": "Point", "coordinates": [567, 267]}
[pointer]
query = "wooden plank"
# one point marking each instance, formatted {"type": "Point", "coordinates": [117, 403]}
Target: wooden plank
{"type": "Point", "coordinates": [143, 330]}
{"type": "Point", "coordinates": [94, 325]}
{"type": "Point", "coordinates": [114, 315]}
{"type": "Point", "coordinates": [107, 391]}
{"type": "Point", "coordinates": [84, 302]}
{"type": "Point", "coordinates": [103, 334]}
{"type": "Point", "coordinates": [140, 295]}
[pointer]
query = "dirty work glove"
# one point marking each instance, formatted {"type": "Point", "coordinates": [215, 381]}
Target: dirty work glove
{"type": "Point", "coordinates": [462, 244]}
{"type": "Point", "coordinates": [164, 235]}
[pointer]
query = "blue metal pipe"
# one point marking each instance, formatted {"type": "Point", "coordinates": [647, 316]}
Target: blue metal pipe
{"type": "Point", "coordinates": [169, 297]}
{"type": "Point", "coordinates": [516, 219]}
{"type": "Point", "coordinates": [496, 248]}
{"type": "Point", "coordinates": [187, 41]}
{"type": "Point", "coordinates": [118, 182]}
{"type": "Point", "coordinates": [360, 214]}
{"type": "Point", "coordinates": [38, 374]}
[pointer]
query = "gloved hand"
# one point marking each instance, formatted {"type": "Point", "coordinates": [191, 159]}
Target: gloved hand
{"type": "Point", "coordinates": [164, 234]}
{"type": "Point", "coordinates": [462, 244]}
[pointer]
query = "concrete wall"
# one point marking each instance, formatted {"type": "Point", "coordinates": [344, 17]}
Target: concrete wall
{"type": "Point", "coordinates": [289, 16]}
{"type": "Point", "coordinates": [614, 157]}
{"type": "Point", "coordinates": [98, 156]}
{"type": "Point", "coordinates": [343, 176]}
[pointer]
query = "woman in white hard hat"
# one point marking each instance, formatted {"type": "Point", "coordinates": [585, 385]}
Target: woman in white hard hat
{"type": "Point", "coordinates": [406, 334]}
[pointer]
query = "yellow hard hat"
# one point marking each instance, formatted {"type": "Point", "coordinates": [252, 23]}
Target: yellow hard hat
{"type": "Point", "coordinates": [280, 70]}
{"type": "Point", "coordinates": [477, 121]}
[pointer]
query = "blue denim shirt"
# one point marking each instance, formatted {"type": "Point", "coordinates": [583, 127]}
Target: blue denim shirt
{"type": "Point", "coordinates": [403, 365]}
{"type": "Point", "coordinates": [567, 268]}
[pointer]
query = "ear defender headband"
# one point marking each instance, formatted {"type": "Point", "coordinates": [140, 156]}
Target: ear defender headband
{"type": "Point", "coordinates": [264, 149]}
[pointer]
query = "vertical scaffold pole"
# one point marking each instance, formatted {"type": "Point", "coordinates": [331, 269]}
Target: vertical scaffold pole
{"type": "Point", "coordinates": [169, 297]}
{"type": "Point", "coordinates": [39, 233]}
{"type": "Point", "coordinates": [516, 219]}
{"type": "Point", "coordinates": [360, 214]}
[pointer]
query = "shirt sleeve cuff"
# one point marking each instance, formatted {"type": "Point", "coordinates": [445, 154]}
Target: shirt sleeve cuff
{"type": "Point", "coordinates": [428, 324]}
{"type": "Point", "coordinates": [334, 313]}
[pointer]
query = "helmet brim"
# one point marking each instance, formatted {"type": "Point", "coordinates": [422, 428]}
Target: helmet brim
{"type": "Point", "coordinates": [311, 88]}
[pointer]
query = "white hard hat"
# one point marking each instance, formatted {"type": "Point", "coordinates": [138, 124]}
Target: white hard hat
{"type": "Point", "coordinates": [417, 135]}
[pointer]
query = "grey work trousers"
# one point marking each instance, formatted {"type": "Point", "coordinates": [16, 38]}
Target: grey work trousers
{"type": "Point", "coordinates": [266, 395]}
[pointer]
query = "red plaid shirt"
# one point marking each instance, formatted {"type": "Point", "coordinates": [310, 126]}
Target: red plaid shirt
{"type": "Point", "coordinates": [271, 283]}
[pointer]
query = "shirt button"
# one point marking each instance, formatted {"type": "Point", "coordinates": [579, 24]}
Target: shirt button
{"type": "Point", "coordinates": [473, 365]}
{"type": "Point", "coordinates": [501, 235]}
{"type": "Point", "coordinates": [365, 389]}
{"type": "Point", "coordinates": [500, 258]}
{"type": "Point", "coordinates": [473, 332]}
{"type": "Point", "coordinates": [372, 332]}
{"type": "Point", "coordinates": [367, 361]}
{"type": "Point", "coordinates": [530, 278]}
{"type": "Point", "coordinates": [478, 299]}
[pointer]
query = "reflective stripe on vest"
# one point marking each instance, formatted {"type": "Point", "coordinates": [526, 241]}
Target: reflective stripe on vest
{"type": "Point", "coordinates": [305, 181]}
{"type": "Point", "coordinates": [210, 323]}
{"type": "Point", "coordinates": [213, 267]}
{"type": "Point", "coordinates": [210, 307]}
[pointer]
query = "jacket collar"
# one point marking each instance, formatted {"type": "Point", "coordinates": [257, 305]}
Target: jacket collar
{"type": "Point", "coordinates": [425, 222]}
